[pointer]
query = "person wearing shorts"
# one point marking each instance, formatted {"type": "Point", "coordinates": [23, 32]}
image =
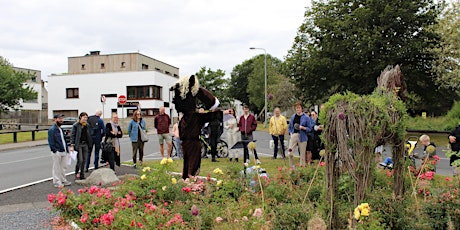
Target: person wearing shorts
{"type": "Point", "coordinates": [162, 123]}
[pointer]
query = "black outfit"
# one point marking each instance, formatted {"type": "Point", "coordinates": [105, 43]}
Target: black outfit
{"type": "Point", "coordinates": [315, 144]}
{"type": "Point", "coordinates": [215, 131]}
{"type": "Point", "coordinates": [113, 157]}
{"type": "Point", "coordinates": [455, 147]}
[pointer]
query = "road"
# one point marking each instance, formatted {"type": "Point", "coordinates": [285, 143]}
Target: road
{"type": "Point", "coordinates": [29, 165]}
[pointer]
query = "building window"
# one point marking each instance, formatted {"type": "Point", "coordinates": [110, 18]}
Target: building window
{"type": "Point", "coordinates": [72, 93]}
{"type": "Point", "coordinates": [102, 66]}
{"type": "Point", "coordinates": [123, 64]}
{"type": "Point", "coordinates": [145, 66]}
{"type": "Point", "coordinates": [145, 112]}
{"type": "Point", "coordinates": [144, 92]}
{"type": "Point", "coordinates": [83, 67]}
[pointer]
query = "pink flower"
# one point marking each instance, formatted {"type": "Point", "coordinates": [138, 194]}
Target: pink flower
{"type": "Point", "coordinates": [341, 116]}
{"type": "Point", "coordinates": [133, 223]}
{"type": "Point", "coordinates": [219, 219]}
{"type": "Point", "coordinates": [436, 157]}
{"type": "Point", "coordinates": [140, 225]}
{"type": "Point", "coordinates": [186, 189]}
{"type": "Point", "coordinates": [96, 220]}
{"type": "Point", "coordinates": [447, 179]}
{"type": "Point", "coordinates": [51, 197]}
{"type": "Point", "coordinates": [322, 163]}
{"type": "Point", "coordinates": [153, 191]}
{"type": "Point", "coordinates": [62, 200]}
{"type": "Point", "coordinates": [270, 96]}
{"type": "Point", "coordinates": [389, 173]}
{"type": "Point", "coordinates": [84, 218]}
{"type": "Point", "coordinates": [80, 206]}
{"type": "Point", "coordinates": [195, 210]}
{"type": "Point", "coordinates": [279, 168]}
{"type": "Point", "coordinates": [257, 212]}
{"type": "Point", "coordinates": [429, 175]}
{"type": "Point", "coordinates": [93, 189]}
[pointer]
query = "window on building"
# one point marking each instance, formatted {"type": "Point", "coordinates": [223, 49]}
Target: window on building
{"type": "Point", "coordinates": [167, 72]}
{"type": "Point", "coordinates": [144, 92]}
{"type": "Point", "coordinates": [148, 112]}
{"type": "Point", "coordinates": [102, 66]}
{"type": "Point", "coordinates": [83, 67]}
{"type": "Point", "coordinates": [72, 93]}
{"type": "Point", "coordinates": [145, 66]}
{"type": "Point", "coordinates": [123, 64]}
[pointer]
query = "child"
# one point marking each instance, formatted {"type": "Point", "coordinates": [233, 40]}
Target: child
{"type": "Point", "coordinates": [429, 150]}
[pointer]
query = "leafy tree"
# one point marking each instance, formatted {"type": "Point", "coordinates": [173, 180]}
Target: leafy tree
{"type": "Point", "coordinates": [247, 82]}
{"type": "Point", "coordinates": [447, 65]}
{"type": "Point", "coordinates": [215, 82]}
{"type": "Point", "coordinates": [13, 87]}
{"type": "Point", "coordinates": [345, 44]}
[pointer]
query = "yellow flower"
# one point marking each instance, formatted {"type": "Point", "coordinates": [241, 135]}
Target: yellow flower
{"type": "Point", "coordinates": [219, 183]}
{"type": "Point", "coordinates": [173, 180]}
{"type": "Point", "coordinates": [252, 145]}
{"type": "Point", "coordinates": [357, 214]}
{"type": "Point", "coordinates": [164, 188]}
{"type": "Point", "coordinates": [218, 171]}
{"type": "Point", "coordinates": [365, 212]}
{"type": "Point", "coordinates": [146, 169]}
{"type": "Point", "coordinates": [322, 152]}
{"type": "Point", "coordinates": [257, 166]}
{"type": "Point", "coordinates": [170, 160]}
{"type": "Point", "coordinates": [143, 177]}
{"type": "Point", "coordinates": [164, 161]}
{"type": "Point", "coordinates": [364, 205]}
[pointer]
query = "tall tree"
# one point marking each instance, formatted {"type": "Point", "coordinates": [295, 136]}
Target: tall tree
{"type": "Point", "coordinates": [215, 82]}
{"type": "Point", "coordinates": [247, 82]}
{"type": "Point", "coordinates": [345, 44]}
{"type": "Point", "coordinates": [447, 65]}
{"type": "Point", "coordinates": [13, 87]}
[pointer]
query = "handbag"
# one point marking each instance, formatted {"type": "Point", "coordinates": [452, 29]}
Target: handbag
{"type": "Point", "coordinates": [144, 137]}
{"type": "Point", "coordinates": [106, 146]}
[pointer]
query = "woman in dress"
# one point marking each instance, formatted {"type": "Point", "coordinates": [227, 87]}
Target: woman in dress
{"type": "Point", "coordinates": [231, 126]}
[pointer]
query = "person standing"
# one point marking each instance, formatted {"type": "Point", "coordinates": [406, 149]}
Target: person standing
{"type": "Point", "coordinates": [59, 152]}
{"type": "Point", "coordinates": [215, 131]}
{"type": "Point", "coordinates": [315, 145]}
{"type": "Point", "coordinates": [176, 137]}
{"type": "Point", "coordinates": [112, 134]}
{"type": "Point", "coordinates": [454, 141]}
{"type": "Point", "coordinates": [231, 125]}
{"type": "Point", "coordinates": [80, 140]}
{"type": "Point", "coordinates": [247, 125]}
{"type": "Point", "coordinates": [162, 123]}
{"type": "Point", "coordinates": [299, 126]}
{"type": "Point", "coordinates": [97, 130]}
{"type": "Point", "coordinates": [134, 131]}
{"type": "Point", "coordinates": [277, 128]}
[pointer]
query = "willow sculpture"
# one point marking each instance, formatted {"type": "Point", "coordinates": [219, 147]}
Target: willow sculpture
{"type": "Point", "coordinates": [354, 126]}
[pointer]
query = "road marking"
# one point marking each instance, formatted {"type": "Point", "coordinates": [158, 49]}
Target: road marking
{"type": "Point", "coordinates": [9, 162]}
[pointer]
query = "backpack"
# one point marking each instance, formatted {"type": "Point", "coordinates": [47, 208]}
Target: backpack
{"type": "Point", "coordinates": [93, 125]}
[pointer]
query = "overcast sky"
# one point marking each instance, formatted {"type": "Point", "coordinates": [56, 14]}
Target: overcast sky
{"type": "Point", "coordinates": [189, 34]}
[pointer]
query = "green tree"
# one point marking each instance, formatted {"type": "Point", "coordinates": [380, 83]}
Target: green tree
{"type": "Point", "coordinates": [447, 65]}
{"type": "Point", "coordinates": [215, 82]}
{"type": "Point", "coordinates": [13, 87]}
{"type": "Point", "coordinates": [247, 82]}
{"type": "Point", "coordinates": [345, 44]}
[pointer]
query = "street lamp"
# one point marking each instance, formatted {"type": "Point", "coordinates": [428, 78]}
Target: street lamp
{"type": "Point", "coordinates": [265, 83]}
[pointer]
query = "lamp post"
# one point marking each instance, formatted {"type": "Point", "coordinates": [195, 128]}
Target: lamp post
{"type": "Point", "coordinates": [265, 83]}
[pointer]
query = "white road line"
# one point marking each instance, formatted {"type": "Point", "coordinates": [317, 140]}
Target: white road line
{"type": "Point", "coordinates": [10, 162]}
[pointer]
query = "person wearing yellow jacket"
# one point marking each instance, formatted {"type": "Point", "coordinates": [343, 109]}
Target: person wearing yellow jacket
{"type": "Point", "coordinates": [278, 127]}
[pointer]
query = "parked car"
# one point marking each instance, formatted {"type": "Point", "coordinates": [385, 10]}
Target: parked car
{"type": "Point", "coordinates": [67, 127]}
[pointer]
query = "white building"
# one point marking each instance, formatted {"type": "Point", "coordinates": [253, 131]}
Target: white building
{"type": "Point", "coordinates": [145, 87]}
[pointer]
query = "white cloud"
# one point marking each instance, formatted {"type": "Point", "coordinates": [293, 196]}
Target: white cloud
{"type": "Point", "coordinates": [187, 34]}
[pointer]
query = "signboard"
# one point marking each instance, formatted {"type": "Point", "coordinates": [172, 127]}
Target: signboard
{"type": "Point", "coordinates": [129, 104]}
{"type": "Point", "coordinates": [122, 99]}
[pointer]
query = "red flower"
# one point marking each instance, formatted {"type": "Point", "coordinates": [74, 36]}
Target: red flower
{"type": "Point", "coordinates": [186, 189]}
{"type": "Point", "coordinates": [153, 191]}
{"type": "Point", "coordinates": [140, 225]}
{"type": "Point", "coordinates": [95, 220]}
{"type": "Point", "coordinates": [436, 157]}
{"type": "Point", "coordinates": [447, 179]}
{"type": "Point", "coordinates": [279, 168]}
{"type": "Point", "coordinates": [93, 189]}
{"type": "Point", "coordinates": [62, 200]}
{"type": "Point", "coordinates": [51, 197]}
{"type": "Point", "coordinates": [84, 218]}
{"type": "Point", "coordinates": [80, 206]}
{"type": "Point", "coordinates": [322, 163]}
{"type": "Point", "coordinates": [133, 223]}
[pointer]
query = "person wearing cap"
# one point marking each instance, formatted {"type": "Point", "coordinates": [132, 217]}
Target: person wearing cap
{"type": "Point", "coordinates": [59, 152]}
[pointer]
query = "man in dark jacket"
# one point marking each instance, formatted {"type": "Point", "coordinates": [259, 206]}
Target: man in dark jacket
{"type": "Point", "coordinates": [247, 125]}
{"type": "Point", "coordinates": [80, 140]}
{"type": "Point", "coordinates": [97, 130]}
{"type": "Point", "coordinates": [59, 152]}
{"type": "Point", "coordinates": [454, 140]}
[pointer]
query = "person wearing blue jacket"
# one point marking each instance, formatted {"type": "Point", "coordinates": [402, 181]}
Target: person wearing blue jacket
{"type": "Point", "coordinates": [299, 126]}
{"type": "Point", "coordinates": [59, 152]}
{"type": "Point", "coordinates": [134, 132]}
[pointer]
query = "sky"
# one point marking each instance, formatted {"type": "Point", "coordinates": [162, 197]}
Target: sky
{"type": "Point", "coordinates": [188, 34]}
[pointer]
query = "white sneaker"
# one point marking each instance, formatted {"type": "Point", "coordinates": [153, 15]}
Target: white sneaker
{"type": "Point", "coordinates": [258, 162]}
{"type": "Point", "coordinates": [58, 185]}
{"type": "Point", "coordinates": [67, 183]}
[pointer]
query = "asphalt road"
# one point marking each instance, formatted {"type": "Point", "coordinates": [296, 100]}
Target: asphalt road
{"type": "Point", "coordinates": [29, 165]}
